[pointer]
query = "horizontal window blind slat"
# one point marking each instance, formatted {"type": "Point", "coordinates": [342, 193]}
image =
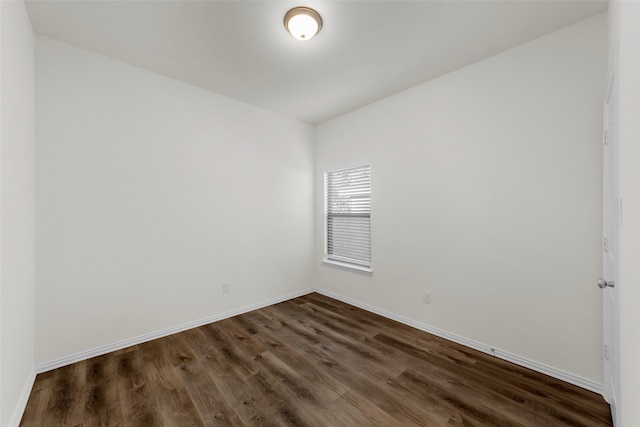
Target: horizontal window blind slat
{"type": "Point", "coordinates": [360, 253]}
{"type": "Point", "coordinates": [366, 207]}
{"type": "Point", "coordinates": [347, 186]}
{"type": "Point", "coordinates": [354, 219]}
{"type": "Point", "coordinates": [348, 203]}
{"type": "Point", "coordinates": [356, 258]}
{"type": "Point", "coordinates": [349, 232]}
{"type": "Point", "coordinates": [337, 201]}
{"type": "Point", "coordinates": [344, 250]}
{"type": "Point", "coordinates": [343, 243]}
{"type": "Point", "coordinates": [344, 246]}
{"type": "Point", "coordinates": [355, 180]}
{"type": "Point", "coordinates": [347, 190]}
{"type": "Point", "coordinates": [350, 218]}
{"type": "Point", "coordinates": [349, 237]}
{"type": "Point", "coordinates": [346, 242]}
{"type": "Point", "coordinates": [351, 252]}
{"type": "Point", "coordinates": [344, 215]}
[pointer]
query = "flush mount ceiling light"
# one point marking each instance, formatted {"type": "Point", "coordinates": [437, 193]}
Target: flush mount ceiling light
{"type": "Point", "coordinates": [303, 23]}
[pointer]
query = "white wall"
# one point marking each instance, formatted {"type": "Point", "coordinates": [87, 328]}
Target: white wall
{"type": "Point", "coordinates": [624, 35]}
{"type": "Point", "coordinates": [487, 192]}
{"type": "Point", "coordinates": [150, 194]}
{"type": "Point", "coordinates": [17, 210]}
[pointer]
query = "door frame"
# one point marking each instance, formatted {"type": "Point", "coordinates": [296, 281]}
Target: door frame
{"type": "Point", "coordinates": [611, 221]}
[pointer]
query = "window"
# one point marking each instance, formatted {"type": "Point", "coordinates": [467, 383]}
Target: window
{"type": "Point", "coordinates": [348, 217]}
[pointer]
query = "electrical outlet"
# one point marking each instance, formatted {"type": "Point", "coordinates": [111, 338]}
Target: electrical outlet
{"type": "Point", "coordinates": [226, 287]}
{"type": "Point", "coordinates": [426, 297]}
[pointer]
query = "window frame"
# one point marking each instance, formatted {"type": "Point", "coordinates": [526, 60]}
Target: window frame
{"type": "Point", "coordinates": [358, 265]}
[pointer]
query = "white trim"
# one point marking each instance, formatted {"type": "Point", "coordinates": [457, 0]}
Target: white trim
{"type": "Point", "coordinates": [18, 411]}
{"type": "Point", "coordinates": [501, 354]}
{"type": "Point", "coordinates": [104, 349]}
{"type": "Point", "coordinates": [360, 268]}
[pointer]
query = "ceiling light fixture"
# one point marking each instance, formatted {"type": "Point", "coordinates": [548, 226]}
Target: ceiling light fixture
{"type": "Point", "coordinates": [303, 23]}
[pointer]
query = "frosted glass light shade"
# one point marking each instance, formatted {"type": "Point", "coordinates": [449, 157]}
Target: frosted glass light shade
{"type": "Point", "coordinates": [303, 23]}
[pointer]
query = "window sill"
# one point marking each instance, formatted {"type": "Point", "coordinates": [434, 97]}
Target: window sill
{"type": "Point", "coordinates": [346, 266]}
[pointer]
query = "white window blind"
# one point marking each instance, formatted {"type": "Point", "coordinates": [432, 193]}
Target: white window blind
{"type": "Point", "coordinates": [348, 215]}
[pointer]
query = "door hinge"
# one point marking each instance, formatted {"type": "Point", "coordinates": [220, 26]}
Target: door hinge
{"type": "Point", "coordinates": [605, 244]}
{"type": "Point", "coordinates": [606, 352]}
{"type": "Point", "coordinates": [605, 137]}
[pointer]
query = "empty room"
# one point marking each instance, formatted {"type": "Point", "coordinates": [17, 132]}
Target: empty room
{"type": "Point", "coordinates": [324, 213]}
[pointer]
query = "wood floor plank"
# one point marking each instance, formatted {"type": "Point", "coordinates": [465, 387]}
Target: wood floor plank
{"type": "Point", "coordinates": [295, 357]}
{"type": "Point", "coordinates": [309, 361]}
{"type": "Point", "coordinates": [173, 402]}
{"type": "Point", "coordinates": [66, 397]}
{"type": "Point", "coordinates": [102, 406]}
{"type": "Point", "coordinates": [200, 385]}
{"type": "Point", "coordinates": [137, 399]}
{"type": "Point", "coordinates": [367, 375]}
{"type": "Point", "coordinates": [339, 347]}
{"type": "Point", "coordinates": [233, 383]}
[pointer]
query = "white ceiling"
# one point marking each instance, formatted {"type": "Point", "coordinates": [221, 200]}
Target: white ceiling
{"type": "Point", "coordinates": [366, 51]}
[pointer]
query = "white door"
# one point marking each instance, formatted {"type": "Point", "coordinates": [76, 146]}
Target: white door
{"type": "Point", "coordinates": [612, 221]}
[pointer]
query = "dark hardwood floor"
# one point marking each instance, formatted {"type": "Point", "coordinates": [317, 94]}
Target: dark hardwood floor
{"type": "Point", "coordinates": [310, 361]}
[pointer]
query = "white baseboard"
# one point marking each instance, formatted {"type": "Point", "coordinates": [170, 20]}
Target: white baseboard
{"type": "Point", "coordinates": [501, 354]}
{"type": "Point", "coordinates": [108, 348]}
{"type": "Point", "coordinates": [18, 411]}
{"type": "Point", "coordinates": [505, 355]}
